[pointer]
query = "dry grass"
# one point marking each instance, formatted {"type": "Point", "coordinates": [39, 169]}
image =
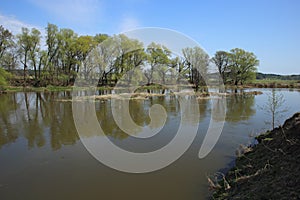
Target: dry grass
{"type": "Point", "coordinates": [269, 170]}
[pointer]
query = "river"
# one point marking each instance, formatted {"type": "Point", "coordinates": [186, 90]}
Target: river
{"type": "Point", "coordinates": [42, 156]}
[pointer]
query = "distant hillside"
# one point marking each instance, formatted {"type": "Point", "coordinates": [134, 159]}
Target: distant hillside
{"type": "Point", "coordinates": [260, 76]}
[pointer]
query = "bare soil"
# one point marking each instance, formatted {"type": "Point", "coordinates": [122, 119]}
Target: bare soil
{"type": "Point", "coordinates": [268, 170]}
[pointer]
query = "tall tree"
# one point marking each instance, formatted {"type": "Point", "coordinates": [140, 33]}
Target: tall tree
{"type": "Point", "coordinates": [9, 60]}
{"type": "Point", "coordinates": [197, 61]}
{"type": "Point", "coordinates": [29, 46]}
{"type": "Point", "coordinates": [100, 38]}
{"type": "Point", "coordinates": [24, 43]}
{"type": "Point", "coordinates": [221, 60]}
{"type": "Point", "coordinates": [102, 60]}
{"type": "Point", "coordinates": [53, 42]}
{"type": "Point", "coordinates": [41, 61]}
{"type": "Point", "coordinates": [68, 54]}
{"type": "Point", "coordinates": [177, 71]}
{"type": "Point", "coordinates": [6, 40]}
{"type": "Point", "coordinates": [157, 55]}
{"type": "Point", "coordinates": [84, 46]}
{"type": "Point", "coordinates": [130, 55]}
{"type": "Point", "coordinates": [243, 65]}
{"type": "Point", "coordinates": [34, 50]}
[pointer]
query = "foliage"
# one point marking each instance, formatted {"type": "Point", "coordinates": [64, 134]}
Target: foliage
{"type": "Point", "coordinates": [6, 40]}
{"type": "Point", "coordinates": [158, 57]}
{"type": "Point", "coordinates": [261, 76]}
{"type": "Point", "coordinates": [221, 60]}
{"type": "Point", "coordinates": [4, 75]}
{"type": "Point", "coordinates": [105, 60]}
{"type": "Point", "coordinates": [197, 62]}
{"type": "Point", "coordinates": [237, 66]}
{"type": "Point", "coordinates": [243, 66]}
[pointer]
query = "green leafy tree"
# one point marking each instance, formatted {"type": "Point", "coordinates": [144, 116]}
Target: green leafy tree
{"type": "Point", "coordinates": [243, 66]}
{"type": "Point", "coordinates": [34, 50]}
{"type": "Point", "coordinates": [9, 60]}
{"type": "Point", "coordinates": [130, 55]}
{"type": "Point", "coordinates": [197, 62]}
{"type": "Point", "coordinates": [98, 38]}
{"type": "Point", "coordinates": [6, 41]}
{"type": "Point", "coordinates": [68, 54]}
{"type": "Point", "coordinates": [104, 57]}
{"type": "Point", "coordinates": [221, 60]}
{"type": "Point", "coordinates": [41, 62]}
{"type": "Point", "coordinates": [53, 43]}
{"type": "Point", "coordinates": [178, 70]}
{"type": "Point", "coordinates": [28, 47]}
{"type": "Point", "coordinates": [84, 46]}
{"type": "Point", "coordinates": [24, 45]}
{"type": "Point", "coordinates": [158, 56]}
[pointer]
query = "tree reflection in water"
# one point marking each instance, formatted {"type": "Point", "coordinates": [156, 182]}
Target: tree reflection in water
{"type": "Point", "coordinates": [41, 117]}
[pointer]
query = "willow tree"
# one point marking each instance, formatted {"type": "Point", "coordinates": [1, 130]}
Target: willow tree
{"type": "Point", "coordinates": [84, 45]}
{"type": "Point", "coordinates": [68, 54]}
{"type": "Point", "coordinates": [53, 43]}
{"type": "Point", "coordinates": [28, 46]}
{"type": "Point", "coordinates": [6, 40]}
{"type": "Point", "coordinates": [158, 58]}
{"type": "Point", "coordinates": [35, 54]}
{"type": "Point", "coordinates": [8, 50]}
{"type": "Point", "coordinates": [131, 55]}
{"type": "Point", "coordinates": [243, 66]}
{"type": "Point", "coordinates": [197, 61]}
{"type": "Point", "coordinates": [221, 60]}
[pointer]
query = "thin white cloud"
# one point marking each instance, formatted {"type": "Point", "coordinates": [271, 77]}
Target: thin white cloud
{"type": "Point", "coordinates": [71, 11]}
{"type": "Point", "coordinates": [15, 26]}
{"type": "Point", "coordinates": [128, 23]}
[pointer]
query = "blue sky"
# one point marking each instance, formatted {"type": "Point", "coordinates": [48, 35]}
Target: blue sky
{"type": "Point", "coordinates": [269, 28]}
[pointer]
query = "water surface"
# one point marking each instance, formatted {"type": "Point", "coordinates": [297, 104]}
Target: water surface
{"type": "Point", "coordinates": [42, 157]}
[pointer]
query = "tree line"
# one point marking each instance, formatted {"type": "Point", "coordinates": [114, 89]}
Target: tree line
{"type": "Point", "coordinates": [260, 76]}
{"type": "Point", "coordinates": [66, 56]}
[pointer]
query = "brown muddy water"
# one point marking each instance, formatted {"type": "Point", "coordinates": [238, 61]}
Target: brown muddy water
{"type": "Point", "coordinates": [42, 156]}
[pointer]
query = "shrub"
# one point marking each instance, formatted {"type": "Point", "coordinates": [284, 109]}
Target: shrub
{"type": "Point", "coordinates": [4, 75]}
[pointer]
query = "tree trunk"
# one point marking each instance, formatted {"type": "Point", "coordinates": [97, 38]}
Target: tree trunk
{"type": "Point", "coordinates": [35, 72]}
{"type": "Point", "coordinates": [24, 71]}
{"type": "Point", "coordinates": [273, 120]}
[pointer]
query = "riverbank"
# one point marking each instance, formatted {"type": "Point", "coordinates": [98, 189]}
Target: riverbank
{"type": "Point", "coordinates": [48, 88]}
{"type": "Point", "coordinates": [268, 170]}
{"type": "Point", "coordinates": [275, 84]}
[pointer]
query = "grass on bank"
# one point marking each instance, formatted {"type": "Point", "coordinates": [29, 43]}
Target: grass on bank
{"type": "Point", "coordinates": [273, 83]}
{"type": "Point", "coordinates": [268, 81]}
{"type": "Point", "coordinates": [261, 83]}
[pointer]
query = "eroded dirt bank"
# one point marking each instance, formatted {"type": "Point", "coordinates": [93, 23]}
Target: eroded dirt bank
{"type": "Point", "coordinates": [268, 170]}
